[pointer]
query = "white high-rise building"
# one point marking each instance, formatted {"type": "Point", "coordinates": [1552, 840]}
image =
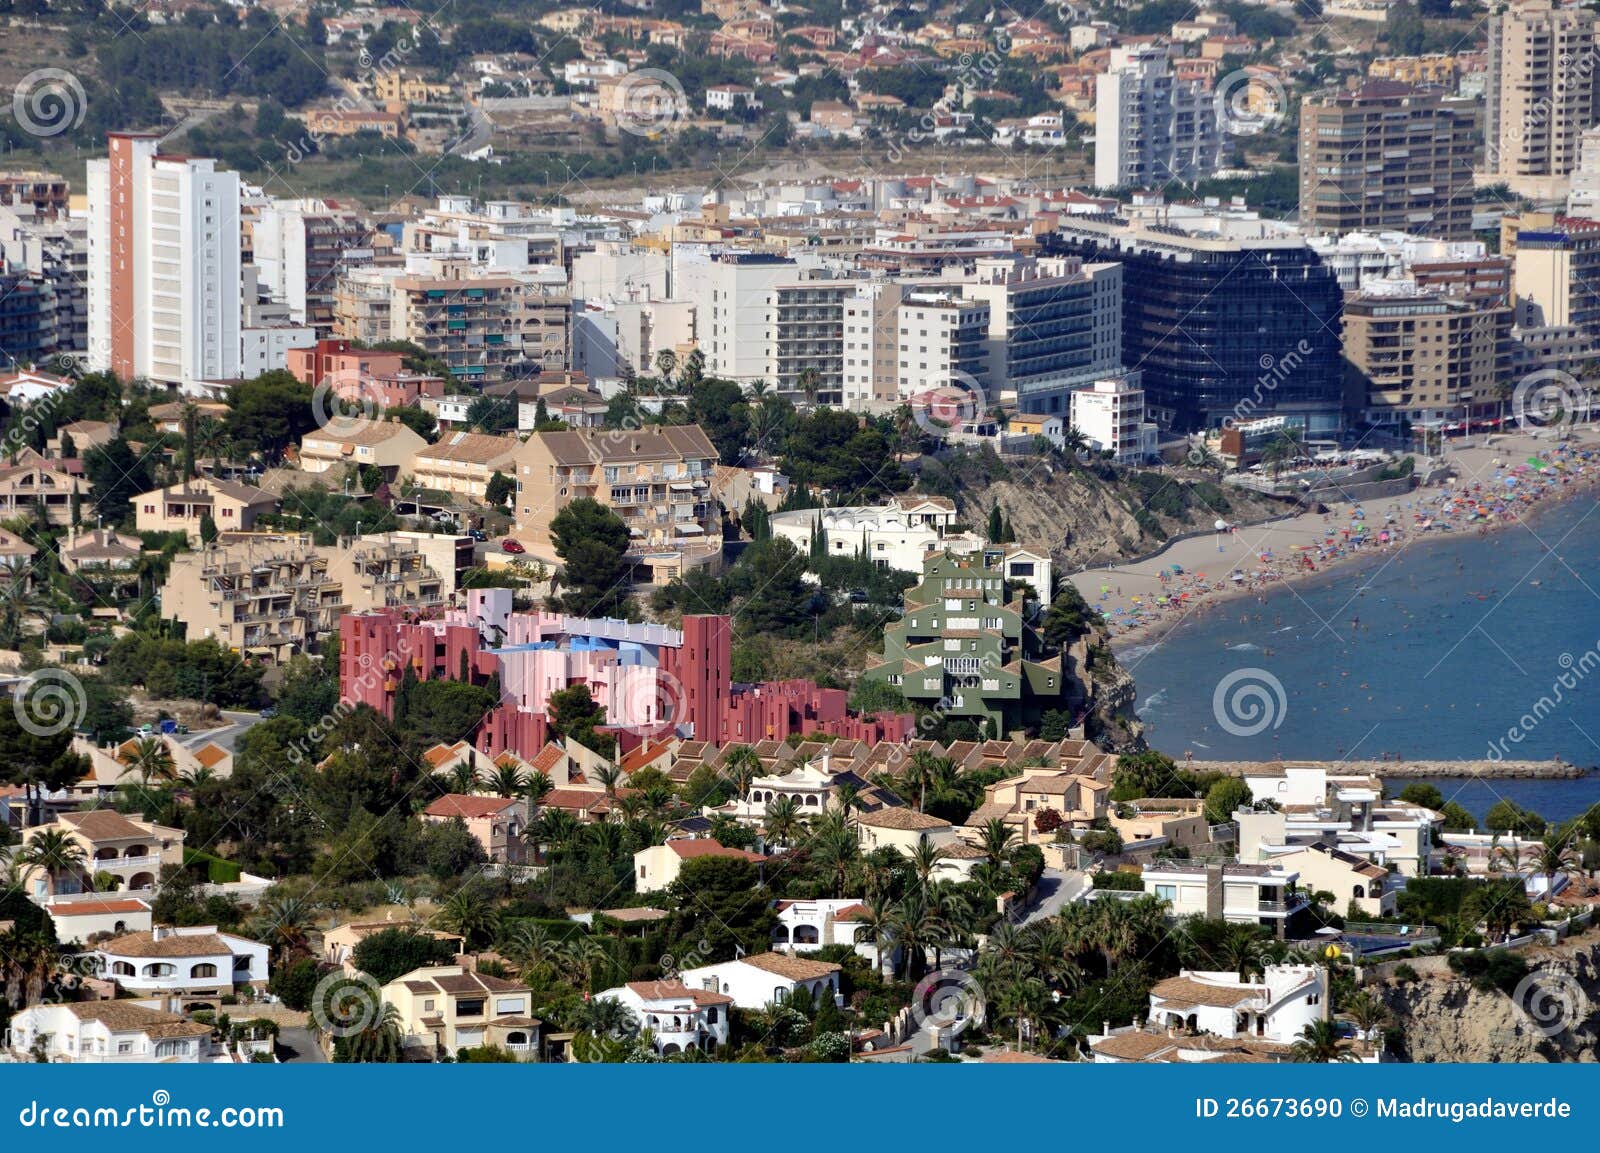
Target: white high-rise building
{"type": "Point", "coordinates": [165, 285]}
{"type": "Point", "coordinates": [732, 305]}
{"type": "Point", "coordinates": [1151, 126]}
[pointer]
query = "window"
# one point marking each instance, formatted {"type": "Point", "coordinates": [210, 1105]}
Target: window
{"type": "Point", "coordinates": [203, 970]}
{"type": "Point", "coordinates": [472, 1008]}
{"type": "Point", "coordinates": [427, 1005]}
{"type": "Point", "coordinates": [509, 1005]}
{"type": "Point", "coordinates": [1167, 893]}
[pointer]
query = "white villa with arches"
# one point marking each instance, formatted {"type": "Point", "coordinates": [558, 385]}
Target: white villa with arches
{"type": "Point", "coordinates": [193, 961]}
{"type": "Point", "coordinates": [677, 1016]}
{"type": "Point", "coordinates": [804, 926]}
{"type": "Point", "coordinates": [763, 979]}
{"type": "Point", "coordinates": [813, 786]}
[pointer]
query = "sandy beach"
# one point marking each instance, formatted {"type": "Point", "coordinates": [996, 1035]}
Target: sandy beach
{"type": "Point", "coordinates": [1495, 487]}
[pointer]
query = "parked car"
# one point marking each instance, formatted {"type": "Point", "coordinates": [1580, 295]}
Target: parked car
{"type": "Point", "coordinates": [268, 713]}
{"type": "Point", "coordinates": [513, 547]}
{"type": "Point", "coordinates": [477, 534]}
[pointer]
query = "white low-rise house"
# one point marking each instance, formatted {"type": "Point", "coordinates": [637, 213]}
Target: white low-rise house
{"type": "Point", "coordinates": [1043, 130]}
{"type": "Point", "coordinates": [77, 919]}
{"type": "Point", "coordinates": [192, 961]}
{"type": "Point", "coordinates": [677, 1016]}
{"type": "Point", "coordinates": [807, 925]}
{"type": "Point", "coordinates": [1205, 1015]}
{"type": "Point", "coordinates": [1243, 894]}
{"type": "Point", "coordinates": [729, 97]}
{"type": "Point", "coordinates": [93, 1032]}
{"type": "Point", "coordinates": [765, 978]}
{"type": "Point", "coordinates": [1347, 811]}
{"type": "Point", "coordinates": [896, 535]}
{"type": "Point", "coordinates": [1276, 1008]}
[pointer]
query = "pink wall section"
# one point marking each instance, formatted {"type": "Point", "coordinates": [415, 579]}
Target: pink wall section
{"type": "Point", "coordinates": [692, 685]}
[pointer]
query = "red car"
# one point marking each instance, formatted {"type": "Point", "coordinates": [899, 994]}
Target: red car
{"type": "Point", "coordinates": [511, 546]}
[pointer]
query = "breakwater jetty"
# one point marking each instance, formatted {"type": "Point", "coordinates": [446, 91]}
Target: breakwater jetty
{"type": "Point", "coordinates": [1403, 770]}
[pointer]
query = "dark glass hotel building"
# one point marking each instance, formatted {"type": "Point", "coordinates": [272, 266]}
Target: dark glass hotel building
{"type": "Point", "coordinates": [1228, 317]}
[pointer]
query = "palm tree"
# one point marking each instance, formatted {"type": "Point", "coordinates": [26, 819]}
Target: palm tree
{"type": "Point", "coordinates": [997, 841]}
{"type": "Point", "coordinates": [916, 930]}
{"type": "Point", "coordinates": [924, 861]}
{"type": "Point", "coordinates": [551, 831]}
{"type": "Point", "coordinates": [538, 786]}
{"type": "Point", "coordinates": [507, 780]}
{"type": "Point", "coordinates": [149, 759]}
{"type": "Point", "coordinates": [873, 925]}
{"type": "Point", "coordinates": [810, 381]}
{"type": "Point", "coordinates": [1319, 1044]}
{"type": "Point", "coordinates": [741, 766]}
{"type": "Point", "coordinates": [849, 799]}
{"type": "Point", "coordinates": [1240, 950]}
{"type": "Point", "coordinates": [1555, 854]}
{"type": "Point", "coordinates": [836, 847]}
{"type": "Point", "coordinates": [56, 853]}
{"type": "Point", "coordinates": [581, 956]}
{"type": "Point", "coordinates": [468, 913]}
{"type": "Point", "coordinates": [1074, 442]}
{"type": "Point", "coordinates": [607, 1017]}
{"type": "Point", "coordinates": [1367, 1013]}
{"type": "Point", "coordinates": [784, 820]}
{"type": "Point", "coordinates": [921, 770]}
{"type": "Point", "coordinates": [532, 950]}
{"type": "Point", "coordinates": [463, 777]}
{"type": "Point", "coordinates": [1025, 1001]}
{"type": "Point", "coordinates": [380, 1042]}
{"type": "Point", "coordinates": [197, 777]}
{"type": "Point", "coordinates": [284, 921]}
{"type": "Point", "coordinates": [609, 776]}
{"type": "Point", "coordinates": [27, 961]}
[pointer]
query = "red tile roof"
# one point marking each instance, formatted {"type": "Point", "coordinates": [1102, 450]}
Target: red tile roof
{"type": "Point", "coordinates": [469, 807]}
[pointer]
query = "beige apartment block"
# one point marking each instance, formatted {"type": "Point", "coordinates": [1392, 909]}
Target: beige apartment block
{"type": "Point", "coordinates": [658, 480]}
{"type": "Point", "coordinates": [182, 507]}
{"type": "Point", "coordinates": [1424, 357]}
{"type": "Point", "coordinates": [464, 462]}
{"type": "Point", "coordinates": [1387, 156]}
{"type": "Point", "coordinates": [480, 326]}
{"type": "Point", "coordinates": [386, 444]}
{"type": "Point", "coordinates": [1542, 89]}
{"type": "Point", "coordinates": [272, 596]}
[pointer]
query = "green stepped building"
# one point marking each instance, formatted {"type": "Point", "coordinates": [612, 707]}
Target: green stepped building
{"type": "Point", "coordinates": [965, 647]}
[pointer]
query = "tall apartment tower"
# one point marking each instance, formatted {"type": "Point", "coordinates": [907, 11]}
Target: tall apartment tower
{"type": "Point", "coordinates": [1542, 90]}
{"type": "Point", "coordinates": [1151, 126]}
{"type": "Point", "coordinates": [165, 282]}
{"type": "Point", "coordinates": [1387, 157]}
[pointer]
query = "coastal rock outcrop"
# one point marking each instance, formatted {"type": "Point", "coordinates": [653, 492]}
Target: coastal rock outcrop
{"type": "Point", "coordinates": [1445, 1017]}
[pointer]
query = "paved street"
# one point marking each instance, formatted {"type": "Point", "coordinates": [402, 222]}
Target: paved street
{"type": "Point", "coordinates": [1057, 888]}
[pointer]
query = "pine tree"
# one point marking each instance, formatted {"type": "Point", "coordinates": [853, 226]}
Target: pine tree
{"type": "Point", "coordinates": [996, 526]}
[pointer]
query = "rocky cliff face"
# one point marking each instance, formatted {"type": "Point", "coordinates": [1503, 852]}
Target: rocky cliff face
{"type": "Point", "coordinates": [1554, 1017]}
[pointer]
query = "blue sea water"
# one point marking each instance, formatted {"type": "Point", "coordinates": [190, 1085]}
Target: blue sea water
{"type": "Point", "coordinates": [1463, 647]}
